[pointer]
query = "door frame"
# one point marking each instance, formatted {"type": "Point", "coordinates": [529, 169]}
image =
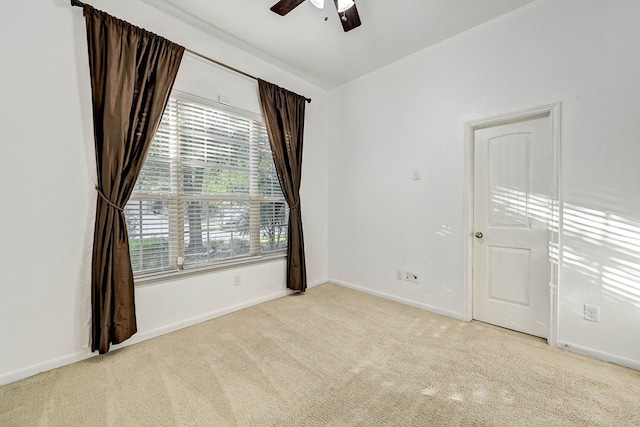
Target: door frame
{"type": "Point", "coordinates": [552, 111]}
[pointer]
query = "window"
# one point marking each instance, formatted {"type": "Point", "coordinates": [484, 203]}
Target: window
{"type": "Point", "coordinates": [208, 192]}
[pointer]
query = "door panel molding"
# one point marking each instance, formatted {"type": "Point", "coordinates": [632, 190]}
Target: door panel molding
{"type": "Point", "coordinates": [552, 111]}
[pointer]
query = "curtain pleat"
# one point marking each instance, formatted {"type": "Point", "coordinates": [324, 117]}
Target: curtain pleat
{"type": "Point", "coordinates": [284, 118]}
{"type": "Point", "coordinates": [132, 73]}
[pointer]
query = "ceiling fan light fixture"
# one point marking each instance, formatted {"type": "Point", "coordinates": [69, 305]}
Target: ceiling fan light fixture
{"type": "Point", "coordinates": [344, 5]}
{"type": "Point", "coordinates": [318, 3]}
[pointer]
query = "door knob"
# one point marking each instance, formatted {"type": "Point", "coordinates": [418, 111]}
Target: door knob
{"type": "Point", "coordinates": [479, 235]}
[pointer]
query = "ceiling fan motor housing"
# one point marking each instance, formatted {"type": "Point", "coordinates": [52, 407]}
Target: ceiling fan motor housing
{"type": "Point", "coordinates": [347, 10]}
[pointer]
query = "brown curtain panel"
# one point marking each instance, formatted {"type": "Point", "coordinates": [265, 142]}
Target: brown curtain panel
{"type": "Point", "coordinates": [132, 72]}
{"type": "Point", "coordinates": [284, 118]}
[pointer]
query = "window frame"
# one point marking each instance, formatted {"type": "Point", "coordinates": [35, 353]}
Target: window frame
{"type": "Point", "coordinates": [177, 197]}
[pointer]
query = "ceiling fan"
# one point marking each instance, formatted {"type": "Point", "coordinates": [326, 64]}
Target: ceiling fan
{"type": "Point", "coordinates": [346, 10]}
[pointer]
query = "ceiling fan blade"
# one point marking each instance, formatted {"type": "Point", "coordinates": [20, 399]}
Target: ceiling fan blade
{"type": "Point", "coordinates": [353, 19]}
{"type": "Point", "coordinates": [285, 6]}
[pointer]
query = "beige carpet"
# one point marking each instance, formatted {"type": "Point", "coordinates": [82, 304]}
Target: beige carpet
{"type": "Point", "coordinates": [331, 357]}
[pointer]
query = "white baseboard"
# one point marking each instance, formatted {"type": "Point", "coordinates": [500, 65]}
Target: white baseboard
{"type": "Point", "coordinates": [401, 300]}
{"type": "Point", "coordinates": [85, 354]}
{"type": "Point", "coordinates": [316, 283]}
{"type": "Point", "coordinates": [143, 336]}
{"type": "Point", "coordinates": [29, 371]}
{"type": "Point", "coordinates": [600, 355]}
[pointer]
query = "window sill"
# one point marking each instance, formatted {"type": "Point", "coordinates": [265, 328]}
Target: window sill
{"type": "Point", "coordinates": [163, 276]}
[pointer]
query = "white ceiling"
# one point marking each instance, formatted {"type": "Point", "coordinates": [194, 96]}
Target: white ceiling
{"type": "Point", "coordinates": [319, 51]}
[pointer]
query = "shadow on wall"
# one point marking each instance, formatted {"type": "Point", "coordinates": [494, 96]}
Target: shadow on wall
{"type": "Point", "coordinates": [602, 246]}
{"type": "Point", "coordinates": [605, 247]}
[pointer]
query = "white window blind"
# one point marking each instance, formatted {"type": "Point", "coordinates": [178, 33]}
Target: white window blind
{"type": "Point", "coordinates": [208, 191]}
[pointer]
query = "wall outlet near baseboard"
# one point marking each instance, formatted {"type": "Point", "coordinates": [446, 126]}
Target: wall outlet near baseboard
{"type": "Point", "coordinates": [237, 279]}
{"type": "Point", "coordinates": [592, 312]}
{"type": "Point", "coordinates": [411, 277]}
{"type": "Point", "coordinates": [399, 274]}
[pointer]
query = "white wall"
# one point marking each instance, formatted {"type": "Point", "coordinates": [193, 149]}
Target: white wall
{"type": "Point", "coordinates": [409, 115]}
{"type": "Point", "coordinates": [412, 115]}
{"type": "Point", "coordinates": [47, 174]}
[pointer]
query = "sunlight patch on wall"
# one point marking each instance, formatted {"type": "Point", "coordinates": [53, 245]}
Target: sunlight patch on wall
{"type": "Point", "coordinates": [602, 246]}
{"type": "Point", "coordinates": [605, 247]}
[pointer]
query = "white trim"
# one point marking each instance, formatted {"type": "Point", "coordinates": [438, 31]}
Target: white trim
{"type": "Point", "coordinates": [152, 278]}
{"type": "Point", "coordinates": [600, 355]}
{"type": "Point", "coordinates": [401, 300]}
{"type": "Point", "coordinates": [317, 283]}
{"type": "Point", "coordinates": [139, 337]}
{"type": "Point", "coordinates": [197, 319]}
{"type": "Point", "coordinates": [29, 371]}
{"type": "Point", "coordinates": [309, 286]}
{"type": "Point", "coordinates": [186, 96]}
{"type": "Point", "coordinates": [553, 112]}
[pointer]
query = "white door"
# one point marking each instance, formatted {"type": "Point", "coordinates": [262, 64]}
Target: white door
{"type": "Point", "coordinates": [511, 210]}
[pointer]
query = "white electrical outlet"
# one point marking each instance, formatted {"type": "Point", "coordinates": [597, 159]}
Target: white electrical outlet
{"type": "Point", "coordinates": [237, 280]}
{"type": "Point", "coordinates": [411, 277]}
{"type": "Point", "coordinates": [399, 275]}
{"type": "Point", "coordinates": [592, 313]}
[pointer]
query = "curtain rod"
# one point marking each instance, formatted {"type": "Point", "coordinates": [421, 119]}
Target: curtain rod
{"type": "Point", "coordinates": [78, 3]}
